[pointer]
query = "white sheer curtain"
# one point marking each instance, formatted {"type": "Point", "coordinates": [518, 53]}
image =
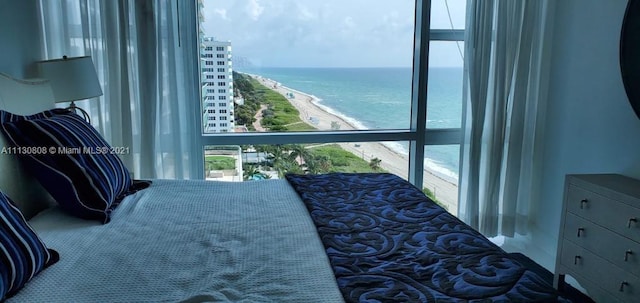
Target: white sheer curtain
{"type": "Point", "coordinates": [505, 46]}
{"type": "Point", "coordinates": [146, 56]}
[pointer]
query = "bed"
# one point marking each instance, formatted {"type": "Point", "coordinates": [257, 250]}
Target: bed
{"type": "Point", "coordinates": [307, 238]}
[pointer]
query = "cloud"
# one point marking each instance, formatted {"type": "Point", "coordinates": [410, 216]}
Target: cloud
{"type": "Point", "coordinates": [254, 9]}
{"type": "Point", "coordinates": [303, 13]}
{"type": "Point", "coordinates": [316, 33]}
{"type": "Point", "coordinates": [222, 13]}
{"type": "Point", "coordinates": [348, 22]}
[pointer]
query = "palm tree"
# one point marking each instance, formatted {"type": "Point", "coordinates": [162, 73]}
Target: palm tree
{"type": "Point", "coordinates": [299, 153]}
{"type": "Point", "coordinates": [249, 171]}
{"type": "Point", "coordinates": [312, 164]}
{"type": "Point", "coordinates": [375, 164]}
{"type": "Point", "coordinates": [324, 163]}
{"type": "Point", "coordinates": [279, 159]}
{"type": "Point", "coordinates": [288, 166]}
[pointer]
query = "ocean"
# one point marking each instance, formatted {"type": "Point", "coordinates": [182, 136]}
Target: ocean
{"type": "Point", "coordinates": [380, 98]}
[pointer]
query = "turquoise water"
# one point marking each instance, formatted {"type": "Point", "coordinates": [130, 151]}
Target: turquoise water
{"type": "Point", "coordinates": [380, 98]}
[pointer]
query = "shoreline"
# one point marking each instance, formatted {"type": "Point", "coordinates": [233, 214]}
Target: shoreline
{"type": "Point", "coordinates": [444, 187]}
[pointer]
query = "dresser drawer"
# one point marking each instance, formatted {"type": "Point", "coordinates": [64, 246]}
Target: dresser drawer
{"type": "Point", "coordinates": [619, 217]}
{"type": "Point", "coordinates": [609, 277]}
{"type": "Point", "coordinates": [616, 249]}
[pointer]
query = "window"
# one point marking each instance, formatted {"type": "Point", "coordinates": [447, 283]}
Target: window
{"type": "Point", "coordinates": [222, 97]}
{"type": "Point", "coordinates": [211, 91]}
{"type": "Point", "coordinates": [220, 63]}
{"type": "Point", "coordinates": [222, 83]}
{"type": "Point", "coordinates": [219, 55]}
{"type": "Point", "coordinates": [222, 77]}
{"type": "Point", "coordinates": [208, 62]}
{"type": "Point", "coordinates": [222, 104]}
{"type": "Point", "coordinates": [221, 70]}
{"type": "Point", "coordinates": [359, 94]}
{"type": "Point", "coordinates": [317, 158]}
{"type": "Point", "coordinates": [211, 104]}
{"type": "Point", "coordinates": [222, 91]}
{"type": "Point", "coordinates": [210, 77]}
{"type": "Point", "coordinates": [223, 118]}
{"type": "Point", "coordinates": [223, 111]}
{"type": "Point", "coordinates": [211, 111]}
{"type": "Point", "coordinates": [208, 48]}
{"type": "Point", "coordinates": [220, 48]}
{"type": "Point", "coordinates": [211, 118]}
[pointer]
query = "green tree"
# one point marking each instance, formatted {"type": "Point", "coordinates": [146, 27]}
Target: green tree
{"type": "Point", "coordinates": [299, 152]}
{"type": "Point", "coordinates": [317, 164]}
{"type": "Point", "coordinates": [245, 114]}
{"type": "Point", "coordinates": [375, 164]}
{"type": "Point", "coordinates": [248, 171]}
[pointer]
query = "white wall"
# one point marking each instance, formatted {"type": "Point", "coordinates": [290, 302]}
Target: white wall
{"type": "Point", "coordinates": [590, 125]}
{"type": "Point", "coordinates": [19, 37]}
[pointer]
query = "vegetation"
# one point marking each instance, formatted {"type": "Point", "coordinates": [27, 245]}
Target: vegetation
{"type": "Point", "coordinates": [299, 127]}
{"type": "Point", "coordinates": [252, 172]}
{"type": "Point", "coordinates": [432, 196]}
{"type": "Point", "coordinates": [219, 162]}
{"type": "Point", "coordinates": [245, 114]}
{"type": "Point", "coordinates": [342, 160]}
{"type": "Point", "coordinates": [278, 116]}
{"type": "Point", "coordinates": [375, 164]}
{"type": "Point", "coordinates": [280, 112]}
{"type": "Point", "coordinates": [301, 159]}
{"type": "Point", "coordinates": [281, 115]}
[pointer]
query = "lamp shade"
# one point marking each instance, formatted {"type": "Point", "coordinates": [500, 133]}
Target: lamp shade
{"type": "Point", "coordinates": [71, 78]}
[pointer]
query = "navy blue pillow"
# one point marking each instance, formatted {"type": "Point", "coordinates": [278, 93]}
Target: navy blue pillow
{"type": "Point", "coordinates": [6, 116]}
{"type": "Point", "coordinates": [22, 253]}
{"type": "Point", "coordinates": [71, 160]}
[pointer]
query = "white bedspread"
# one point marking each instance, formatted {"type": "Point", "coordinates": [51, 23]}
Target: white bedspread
{"type": "Point", "coordinates": [188, 241]}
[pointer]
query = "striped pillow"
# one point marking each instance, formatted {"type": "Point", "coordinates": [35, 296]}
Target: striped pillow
{"type": "Point", "coordinates": [22, 253]}
{"type": "Point", "coordinates": [71, 161]}
{"type": "Point", "coordinates": [6, 116]}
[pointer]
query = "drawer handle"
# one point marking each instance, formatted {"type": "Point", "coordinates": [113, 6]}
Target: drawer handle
{"type": "Point", "coordinates": [626, 254]}
{"type": "Point", "coordinates": [580, 231]}
{"type": "Point", "coordinates": [583, 203]}
{"type": "Point", "coordinates": [632, 220]}
{"type": "Point", "coordinates": [622, 285]}
{"type": "Point", "coordinates": [576, 259]}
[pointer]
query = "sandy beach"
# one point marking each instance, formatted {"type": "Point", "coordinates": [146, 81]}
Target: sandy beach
{"type": "Point", "coordinates": [446, 190]}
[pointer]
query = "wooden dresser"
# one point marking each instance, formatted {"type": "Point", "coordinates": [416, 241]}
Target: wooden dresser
{"type": "Point", "coordinates": [599, 242]}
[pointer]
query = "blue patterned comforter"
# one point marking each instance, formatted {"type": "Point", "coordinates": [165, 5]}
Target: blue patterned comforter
{"type": "Point", "coordinates": [388, 242]}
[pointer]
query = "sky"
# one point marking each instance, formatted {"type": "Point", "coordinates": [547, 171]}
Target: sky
{"type": "Point", "coordinates": [329, 33]}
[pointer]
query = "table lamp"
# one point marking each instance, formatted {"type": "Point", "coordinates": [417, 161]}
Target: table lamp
{"type": "Point", "coordinates": [71, 79]}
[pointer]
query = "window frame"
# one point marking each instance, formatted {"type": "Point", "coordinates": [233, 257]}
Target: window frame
{"type": "Point", "coordinates": [418, 135]}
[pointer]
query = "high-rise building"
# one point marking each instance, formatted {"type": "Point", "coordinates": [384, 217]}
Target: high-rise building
{"type": "Point", "coordinates": [217, 86]}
